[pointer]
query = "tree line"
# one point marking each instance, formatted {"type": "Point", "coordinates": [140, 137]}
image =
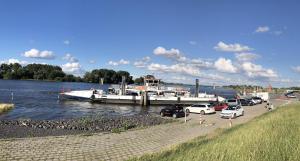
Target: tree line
{"type": "Point", "coordinates": [55, 73]}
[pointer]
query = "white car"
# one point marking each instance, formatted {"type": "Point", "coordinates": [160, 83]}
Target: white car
{"type": "Point", "coordinates": [200, 108]}
{"type": "Point", "coordinates": [232, 112]}
{"type": "Point", "coordinates": [257, 100]}
{"type": "Point", "coordinates": [291, 96]}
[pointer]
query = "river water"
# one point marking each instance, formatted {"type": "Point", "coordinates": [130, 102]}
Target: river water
{"type": "Point", "coordinates": [39, 100]}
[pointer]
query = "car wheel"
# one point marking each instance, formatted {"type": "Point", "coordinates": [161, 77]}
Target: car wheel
{"type": "Point", "coordinates": [162, 114]}
{"type": "Point", "coordinates": [174, 115]}
{"type": "Point", "coordinates": [234, 116]}
{"type": "Point", "coordinates": [202, 112]}
{"type": "Point", "coordinates": [187, 111]}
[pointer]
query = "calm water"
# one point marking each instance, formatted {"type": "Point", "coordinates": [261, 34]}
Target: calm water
{"type": "Point", "coordinates": [39, 100]}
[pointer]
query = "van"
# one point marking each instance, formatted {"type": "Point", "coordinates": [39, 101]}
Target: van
{"type": "Point", "coordinates": [233, 102]}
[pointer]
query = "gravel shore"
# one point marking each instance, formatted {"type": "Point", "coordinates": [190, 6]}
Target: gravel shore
{"type": "Point", "coordinates": [84, 125]}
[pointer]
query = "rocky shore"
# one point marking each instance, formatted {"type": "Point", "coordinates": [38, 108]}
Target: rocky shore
{"type": "Point", "coordinates": [85, 125]}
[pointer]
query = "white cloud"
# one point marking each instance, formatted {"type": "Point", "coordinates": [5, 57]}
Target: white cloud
{"type": "Point", "coordinates": [296, 69]}
{"type": "Point", "coordinates": [262, 29]}
{"type": "Point", "coordinates": [68, 57]}
{"type": "Point", "coordinates": [242, 57]}
{"type": "Point", "coordinates": [147, 59]}
{"type": "Point", "coordinates": [254, 70]}
{"type": "Point", "coordinates": [34, 53]}
{"type": "Point", "coordinates": [225, 65]}
{"type": "Point", "coordinates": [12, 61]}
{"type": "Point", "coordinates": [72, 68]}
{"type": "Point", "coordinates": [172, 53]}
{"type": "Point", "coordinates": [277, 33]}
{"type": "Point", "coordinates": [66, 42]}
{"type": "Point", "coordinates": [113, 63]}
{"type": "Point", "coordinates": [92, 61]}
{"type": "Point", "coordinates": [142, 63]}
{"type": "Point", "coordinates": [201, 63]}
{"type": "Point", "coordinates": [193, 42]}
{"type": "Point", "coordinates": [176, 68]}
{"type": "Point", "coordinates": [221, 46]}
{"type": "Point", "coordinates": [120, 62]}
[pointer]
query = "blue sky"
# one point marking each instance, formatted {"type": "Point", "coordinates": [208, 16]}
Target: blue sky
{"type": "Point", "coordinates": [228, 42]}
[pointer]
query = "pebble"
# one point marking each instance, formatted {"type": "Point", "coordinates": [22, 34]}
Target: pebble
{"type": "Point", "coordinates": [94, 123]}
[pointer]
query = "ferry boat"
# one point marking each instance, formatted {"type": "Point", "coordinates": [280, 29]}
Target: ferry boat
{"type": "Point", "coordinates": [151, 93]}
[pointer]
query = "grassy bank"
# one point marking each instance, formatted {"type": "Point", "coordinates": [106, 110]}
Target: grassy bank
{"type": "Point", "coordinates": [274, 136]}
{"type": "Point", "coordinates": [5, 107]}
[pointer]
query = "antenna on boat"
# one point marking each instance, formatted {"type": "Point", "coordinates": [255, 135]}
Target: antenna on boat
{"type": "Point", "coordinates": [101, 81]}
{"type": "Point", "coordinates": [58, 98]}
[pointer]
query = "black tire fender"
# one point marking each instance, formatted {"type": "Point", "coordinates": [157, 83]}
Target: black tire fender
{"type": "Point", "coordinates": [93, 97]}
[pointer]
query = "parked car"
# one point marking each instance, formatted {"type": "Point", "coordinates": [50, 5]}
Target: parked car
{"type": "Point", "coordinates": [257, 100]}
{"type": "Point", "coordinates": [290, 96]}
{"type": "Point", "coordinates": [220, 106]}
{"type": "Point", "coordinates": [246, 102]}
{"type": "Point", "coordinates": [201, 108]}
{"type": "Point", "coordinates": [173, 111]}
{"type": "Point", "coordinates": [233, 102]}
{"type": "Point", "coordinates": [232, 111]}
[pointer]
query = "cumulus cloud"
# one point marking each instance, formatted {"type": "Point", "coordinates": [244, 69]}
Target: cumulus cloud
{"type": "Point", "coordinates": [201, 63]}
{"type": "Point", "coordinates": [66, 42]}
{"type": "Point", "coordinates": [72, 68]}
{"type": "Point", "coordinates": [176, 55]}
{"type": "Point", "coordinates": [225, 65]}
{"type": "Point", "coordinates": [92, 61]}
{"type": "Point", "coordinates": [175, 68]}
{"type": "Point", "coordinates": [254, 70]}
{"type": "Point", "coordinates": [246, 57]}
{"type": "Point", "coordinates": [296, 69]}
{"type": "Point", "coordinates": [193, 42]}
{"type": "Point", "coordinates": [221, 46]}
{"type": "Point", "coordinates": [142, 63]}
{"type": "Point", "coordinates": [172, 53]}
{"type": "Point", "coordinates": [12, 61]}
{"type": "Point", "coordinates": [68, 57]}
{"type": "Point", "coordinates": [277, 33]}
{"type": "Point", "coordinates": [262, 29]}
{"type": "Point", "coordinates": [34, 53]}
{"type": "Point", "coordinates": [120, 62]}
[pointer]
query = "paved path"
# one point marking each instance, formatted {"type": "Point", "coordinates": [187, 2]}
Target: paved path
{"type": "Point", "coordinates": [117, 146]}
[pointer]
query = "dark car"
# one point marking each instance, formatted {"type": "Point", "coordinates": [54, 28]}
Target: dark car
{"type": "Point", "coordinates": [174, 111]}
{"type": "Point", "coordinates": [246, 102]}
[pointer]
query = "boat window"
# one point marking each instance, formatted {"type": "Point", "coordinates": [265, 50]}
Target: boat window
{"type": "Point", "coordinates": [231, 101]}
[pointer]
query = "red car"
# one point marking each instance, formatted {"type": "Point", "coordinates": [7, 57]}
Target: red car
{"type": "Point", "coordinates": [220, 106]}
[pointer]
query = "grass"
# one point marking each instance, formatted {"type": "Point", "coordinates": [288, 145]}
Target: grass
{"type": "Point", "coordinates": [274, 136]}
{"type": "Point", "coordinates": [5, 107]}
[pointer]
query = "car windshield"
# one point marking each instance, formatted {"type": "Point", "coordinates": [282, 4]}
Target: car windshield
{"type": "Point", "coordinates": [231, 108]}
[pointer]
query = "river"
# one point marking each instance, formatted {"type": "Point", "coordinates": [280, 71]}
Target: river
{"type": "Point", "coordinates": [39, 100]}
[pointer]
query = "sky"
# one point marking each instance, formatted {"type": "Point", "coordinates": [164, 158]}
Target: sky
{"type": "Point", "coordinates": [249, 42]}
